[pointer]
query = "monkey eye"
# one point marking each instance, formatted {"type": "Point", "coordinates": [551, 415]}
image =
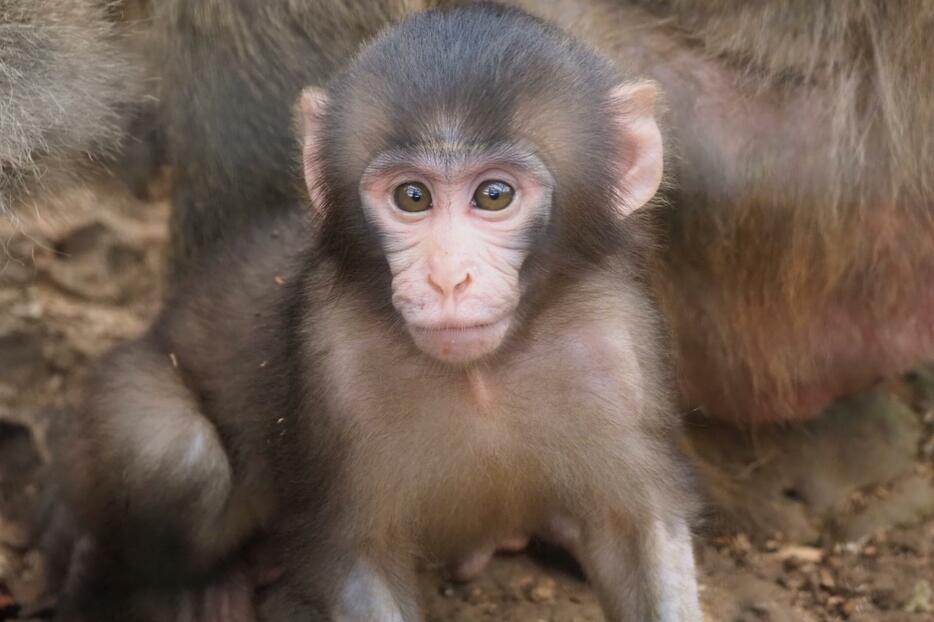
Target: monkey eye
{"type": "Point", "coordinates": [493, 195]}
{"type": "Point", "coordinates": [412, 196]}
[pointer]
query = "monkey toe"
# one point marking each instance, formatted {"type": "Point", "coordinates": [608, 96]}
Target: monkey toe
{"type": "Point", "coordinates": [470, 567]}
{"type": "Point", "coordinates": [515, 544]}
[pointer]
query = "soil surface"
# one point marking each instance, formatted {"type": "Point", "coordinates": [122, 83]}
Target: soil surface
{"type": "Point", "coordinates": [824, 521]}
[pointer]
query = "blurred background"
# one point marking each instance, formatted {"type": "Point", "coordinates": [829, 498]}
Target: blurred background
{"type": "Point", "coordinates": [798, 283]}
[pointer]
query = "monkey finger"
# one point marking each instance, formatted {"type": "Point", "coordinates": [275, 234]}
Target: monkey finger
{"type": "Point", "coordinates": [229, 599]}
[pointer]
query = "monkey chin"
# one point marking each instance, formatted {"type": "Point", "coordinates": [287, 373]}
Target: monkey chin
{"type": "Point", "coordinates": [460, 344]}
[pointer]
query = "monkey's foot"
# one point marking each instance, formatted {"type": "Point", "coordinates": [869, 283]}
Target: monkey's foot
{"type": "Point", "coordinates": [227, 599]}
{"type": "Point", "coordinates": [231, 595]}
{"type": "Point", "coordinates": [93, 593]}
{"type": "Point", "coordinates": [468, 568]}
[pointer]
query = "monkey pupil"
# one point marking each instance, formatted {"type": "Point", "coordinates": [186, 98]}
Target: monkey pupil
{"type": "Point", "coordinates": [415, 194]}
{"type": "Point", "coordinates": [493, 193]}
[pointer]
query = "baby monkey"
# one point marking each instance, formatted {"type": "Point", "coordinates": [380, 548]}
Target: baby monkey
{"type": "Point", "coordinates": [451, 347]}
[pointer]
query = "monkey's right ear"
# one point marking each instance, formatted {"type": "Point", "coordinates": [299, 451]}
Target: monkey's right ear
{"type": "Point", "coordinates": [312, 105]}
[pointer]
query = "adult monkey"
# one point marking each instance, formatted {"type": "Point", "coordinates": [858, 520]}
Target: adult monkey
{"type": "Point", "coordinates": [797, 265]}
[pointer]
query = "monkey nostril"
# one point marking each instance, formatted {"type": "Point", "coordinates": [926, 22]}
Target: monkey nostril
{"type": "Point", "coordinates": [464, 284]}
{"type": "Point", "coordinates": [435, 286]}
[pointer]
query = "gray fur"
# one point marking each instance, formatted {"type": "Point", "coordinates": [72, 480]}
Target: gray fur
{"type": "Point", "coordinates": [66, 84]}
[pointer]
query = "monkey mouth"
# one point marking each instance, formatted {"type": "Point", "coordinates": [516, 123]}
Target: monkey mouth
{"type": "Point", "coordinates": [456, 328]}
{"type": "Point", "coordinates": [460, 343]}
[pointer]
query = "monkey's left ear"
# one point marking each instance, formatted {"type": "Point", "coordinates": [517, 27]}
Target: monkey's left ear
{"type": "Point", "coordinates": [311, 111]}
{"type": "Point", "coordinates": [641, 144]}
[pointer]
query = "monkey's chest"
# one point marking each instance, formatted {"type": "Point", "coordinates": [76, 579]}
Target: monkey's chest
{"type": "Point", "coordinates": [483, 458]}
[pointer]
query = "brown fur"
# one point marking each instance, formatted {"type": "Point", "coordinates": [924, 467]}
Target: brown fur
{"type": "Point", "coordinates": [435, 468]}
{"type": "Point", "coordinates": [797, 265]}
{"type": "Point", "coordinates": [168, 496]}
{"type": "Point", "coordinates": [282, 366]}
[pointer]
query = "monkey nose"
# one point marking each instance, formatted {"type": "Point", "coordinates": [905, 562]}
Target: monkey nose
{"type": "Point", "coordinates": [449, 283]}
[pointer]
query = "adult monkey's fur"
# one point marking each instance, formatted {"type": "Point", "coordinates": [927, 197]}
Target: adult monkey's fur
{"type": "Point", "coordinates": [800, 264]}
{"type": "Point", "coordinates": [66, 84]}
{"type": "Point", "coordinates": [797, 264]}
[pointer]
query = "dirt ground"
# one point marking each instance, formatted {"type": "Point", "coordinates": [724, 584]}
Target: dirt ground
{"type": "Point", "coordinates": [826, 521]}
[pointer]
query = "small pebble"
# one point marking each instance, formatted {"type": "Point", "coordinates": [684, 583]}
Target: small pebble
{"type": "Point", "coordinates": [543, 592]}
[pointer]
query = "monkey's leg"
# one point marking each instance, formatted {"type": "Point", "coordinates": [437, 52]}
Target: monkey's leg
{"type": "Point", "coordinates": [156, 479]}
{"type": "Point", "coordinates": [151, 481]}
{"type": "Point", "coordinates": [364, 590]}
{"type": "Point", "coordinates": [643, 572]}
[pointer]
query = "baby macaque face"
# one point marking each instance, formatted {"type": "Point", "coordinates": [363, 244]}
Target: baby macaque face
{"type": "Point", "coordinates": [456, 209]}
{"type": "Point", "coordinates": [456, 231]}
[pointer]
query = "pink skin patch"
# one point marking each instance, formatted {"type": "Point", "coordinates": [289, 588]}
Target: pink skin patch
{"type": "Point", "coordinates": [455, 266]}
